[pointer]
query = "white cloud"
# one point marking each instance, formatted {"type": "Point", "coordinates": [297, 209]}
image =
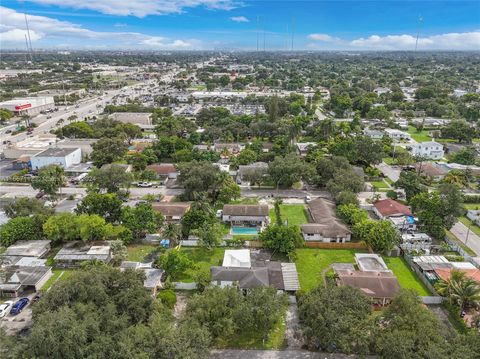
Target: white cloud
{"type": "Point", "coordinates": [239, 19]}
{"type": "Point", "coordinates": [141, 8]}
{"type": "Point", "coordinates": [448, 41]}
{"type": "Point", "coordinates": [323, 37]}
{"type": "Point", "coordinates": [13, 30]}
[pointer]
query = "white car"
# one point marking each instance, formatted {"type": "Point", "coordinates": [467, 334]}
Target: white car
{"type": "Point", "coordinates": [144, 184]}
{"type": "Point", "coordinates": [5, 308]}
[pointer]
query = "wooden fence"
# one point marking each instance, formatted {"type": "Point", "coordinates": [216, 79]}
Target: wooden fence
{"type": "Point", "coordinates": [347, 245]}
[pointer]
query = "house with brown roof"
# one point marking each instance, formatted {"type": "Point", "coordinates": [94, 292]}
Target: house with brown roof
{"type": "Point", "coordinates": [326, 227]}
{"type": "Point", "coordinates": [431, 170]}
{"type": "Point", "coordinates": [172, 211]}
{"type": "Point", "coordinates": [163, 171]}
{"type": "Point", "coordinates": [246, 215]}
{"type": "Point", "coordinates": [397, 213]}
{"type": "Point", "coordinates": [380, 286]}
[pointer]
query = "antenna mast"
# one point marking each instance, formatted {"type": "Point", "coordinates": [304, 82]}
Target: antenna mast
{"type": "Point", "coordinates": [29, 39]}
{"type": "Point", "coordinates": [420, 19]}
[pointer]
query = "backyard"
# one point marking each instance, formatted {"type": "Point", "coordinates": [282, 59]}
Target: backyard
{"type": "Point", "coordinates": [140, 252]}
{"type": "Point", "coordinates": [406, 277]}
{"type": "Point", "coordinates": [311, 263]}
{"type": "Point", "coordinates": [295, 214]}
{"type": "Point", "coordinates": [58, 275]}
{"type": "Point", "coordinates": [421, 136]}
{"type": "Point", "coordinates": [202, 259]}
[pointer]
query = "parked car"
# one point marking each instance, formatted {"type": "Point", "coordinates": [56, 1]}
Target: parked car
{"type": "Point", "coordinates": [19, 306]}
{"type": "Point", "coordinates": [5, 308]}
{"type": "Point", "coordinates": [8, 131]}
{"type": "Point", "coordinates": [308, 199]}
{"type": "Point", "coordinates": [219, 213]}
{"type": "Point", "coordinates": [144, 184]}
{"type": "Point", "coordinates": [40, 195]}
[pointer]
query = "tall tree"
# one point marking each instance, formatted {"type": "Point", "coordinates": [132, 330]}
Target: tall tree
{"type": "Point", "coordinates": [49, 180]}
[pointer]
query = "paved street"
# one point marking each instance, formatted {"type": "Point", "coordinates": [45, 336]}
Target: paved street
{"type": "Point", "coordinates": [276, 354]}
{"type": "Point", "coordinates": [285, 193]}
{"type": "Point", "coordinates": [473, 241]}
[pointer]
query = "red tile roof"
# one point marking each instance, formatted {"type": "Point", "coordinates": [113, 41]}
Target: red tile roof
{"type": "Point", "coordinates": [389, 207]}
{"type": "Point", "coordinates": [162, 168]}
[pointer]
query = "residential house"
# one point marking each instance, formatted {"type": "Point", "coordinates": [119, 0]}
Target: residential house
{"type": "Point", "coordinates": [125, 168]}
{"type": "Point", "coordinates": [246, 215]}
{"type": "Point", "coordinates": [19, 279]}
{"type": "Point", "coordinates": [399, 214]}
{"type": "Point", "coordinates": [34, 248]}
{"type": "Point", "coordinates": [325, 226]}
{"type": "Point", "coordinates": [228, 148]}
{"type": "Point", "coordinates": [304, 147]}
{"type": "Point", "coordinates": [373, 134]}
{"type": "Point", "coordinates": [430, 150]}
{"type": "Point", "coordinates": [164, 171]}
{"type": "Point", "coordinates": [153, 276]}
{"type": "Point", "coordinates": [172, 211]}
{"type": "Point", "coordinates": [244, 272]}
{"type": "Point", "coordinates": [431, 170]}
{"type": "Point", "coordinates": [64, 157]}
{"type": "Point", "coordinates": [74, 253]}
{"type": "Point", "coordinates": [397, 135]}
{"type": "Point", "coordinates": [254, 171]}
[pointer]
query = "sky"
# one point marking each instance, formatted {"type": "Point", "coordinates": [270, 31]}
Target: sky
{"type": "Point", "coordinates": [241, 24]}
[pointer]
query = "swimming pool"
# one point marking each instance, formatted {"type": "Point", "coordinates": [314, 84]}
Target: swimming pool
{"type": "Point", "coordinates": [246, 231]}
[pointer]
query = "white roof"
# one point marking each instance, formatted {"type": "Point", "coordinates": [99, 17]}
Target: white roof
{"type": "Point", "coordinates": [463, 265]}
{"type": "Point", "coordinates": [431, 259]}
{"type": "Point", "coordinates": [237, 258]}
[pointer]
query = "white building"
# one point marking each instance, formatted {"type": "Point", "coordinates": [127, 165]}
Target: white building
{"type": "Point", "coordinates": [28, 106]}
{"type": "Point", "coordinates": [430, 150]}
{"type": "Point", "coordinates": [373, 134]}
{"type": "Point", "coordinates": [397, 135]}
{"type": "Point", "coordinates": [64, 157]}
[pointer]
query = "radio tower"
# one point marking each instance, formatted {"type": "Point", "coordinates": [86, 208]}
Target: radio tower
{"type": "Point", "coordinates": [420, 19]}
{"type": "Point", "coordinates": [29, 44]}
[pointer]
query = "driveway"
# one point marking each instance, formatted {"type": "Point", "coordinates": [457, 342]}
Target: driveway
{"type": "Point", "coordinates": [473, 240]}
{"type": "Point", "coordinates": [391, 172]}
{"type": "Point", "coordinates": [15, 323]}
{"type": "Point", "coordinates": [276, 354]}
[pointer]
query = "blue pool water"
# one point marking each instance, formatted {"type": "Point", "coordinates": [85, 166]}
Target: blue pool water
{"type": "Point", "coordinates": [247, 231]}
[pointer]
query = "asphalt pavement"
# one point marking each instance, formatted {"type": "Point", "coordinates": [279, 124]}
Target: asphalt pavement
{"type": "Point", "coordinates": [470, 238]}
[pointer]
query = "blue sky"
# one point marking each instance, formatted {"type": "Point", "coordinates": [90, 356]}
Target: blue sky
{"type": "Point", "coordinates": [210, 24]}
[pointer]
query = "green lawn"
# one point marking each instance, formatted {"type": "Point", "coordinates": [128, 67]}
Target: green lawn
{"type": "Point", "coordinates": [294, 213]}
{"type": "Point", "coordinates": [311, 262]}
{"type": "Point", "coordinates": [56, 277]}
{"type": "Point", "coordinates": [473, 227]}
{"type": "Point", "coordinates": [388, 160]}
{"type": "Point", "coordinates": [406, 277]}
{"type": "Point", "coordinates": [203, 259]}
{"type": "Point", "coordinates": [139, 252]}
{"type": "Point", "coordinates": [471, 205]}
{"type": "Point", "coordinates": [421, 136]}
{"type": "Point", "coordinates": [380, 184]}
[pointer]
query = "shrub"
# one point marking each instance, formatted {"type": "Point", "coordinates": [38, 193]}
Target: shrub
{"type": "Point", "coordinates": [167, 297]}
{"type": "Point", "coordinates": [392, 194]}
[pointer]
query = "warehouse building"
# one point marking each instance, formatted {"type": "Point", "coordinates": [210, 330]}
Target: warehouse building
{"type": "Point", "coordinates": [28, 106]}
{"type": "Point", "coordinates": [64, 157]}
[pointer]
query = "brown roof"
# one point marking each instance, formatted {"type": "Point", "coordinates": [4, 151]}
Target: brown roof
{"type": "Point", "coordinates": [162, 168]}
{"type": "Point", "coordinates": [372, 284]}
{"type": "Point", "coordinates": [431, 169]}
{"type": "Point", "coordinates": [176, 209]}
{"type": "Point", "coordinates": [245, 210]}
{"type": "Point", "coordinates": [445, 273]}
{"type": "Point", "coordinates": [325, 220]}
{"type": "Point", "coordinates": [388, 207]}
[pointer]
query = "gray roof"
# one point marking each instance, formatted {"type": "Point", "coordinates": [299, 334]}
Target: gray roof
{"type": "Point", "coordinates": [28, 248]}
{"type": "Point", "coordinates": [325, 220]}
{"type": "Point", "coordinates": [153, 277]}
{"type": "Point", "coordinates": [80, 251]}
{"type": "Point", "coordinates": [56, 152]}
{"type": "Point", "coordinates": [245, 210]}
{"type": "Point", "coordinates": [26, 276]}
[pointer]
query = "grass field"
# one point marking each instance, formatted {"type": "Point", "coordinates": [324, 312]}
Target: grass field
{"type": "Point", "coordinates": [294, 213]}
{"type": "Point", "coordinates": [380, 184]}
{"type": "Point", "coordinates": [471, 205]}
{"type": "Point", "coordinates": [311, 262]}
{"type": "Point", "coordinates": [203, 259]}
{"type": "Point", "coordinates": [406, 277]}
{"type": "Point", "coordinates": [57, 276]}
{"type": "Point", "coordinates": [421, 136]}
{"type": "Point", "coordinates": [139, 252]}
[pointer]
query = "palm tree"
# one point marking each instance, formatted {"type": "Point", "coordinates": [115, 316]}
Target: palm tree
{"type": "Point", "coordinates": [172, 231]}
{"type": "Point", "coordinates": [460, 290]}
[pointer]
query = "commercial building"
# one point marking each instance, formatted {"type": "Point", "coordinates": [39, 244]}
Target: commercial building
{"type": "Point", "coordinates": [28, 106]}
{"type": "Point", "coordinates": [64, 157]}
{"type": "Point", "coordinates": [141, 119]}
